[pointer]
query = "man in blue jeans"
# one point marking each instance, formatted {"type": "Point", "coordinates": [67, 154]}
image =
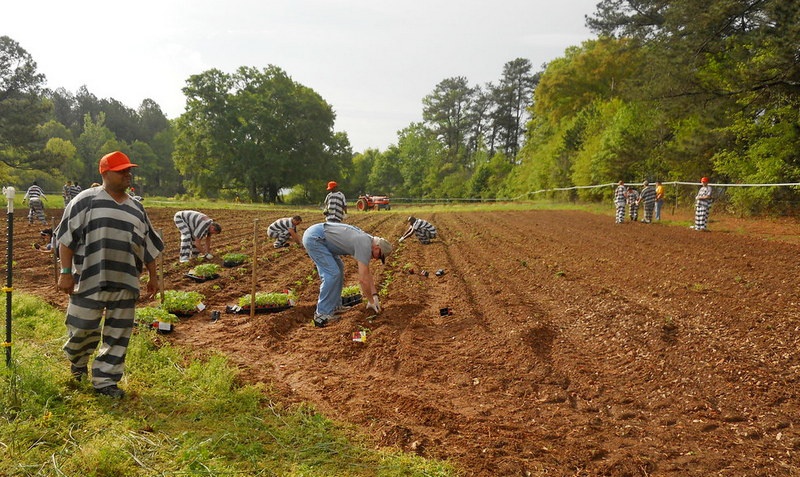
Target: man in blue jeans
{"type": "Point", "coordinates": [325, 243]}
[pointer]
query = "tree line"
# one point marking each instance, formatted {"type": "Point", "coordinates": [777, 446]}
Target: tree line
{"type": "Point", "coordinates": [666, 91]}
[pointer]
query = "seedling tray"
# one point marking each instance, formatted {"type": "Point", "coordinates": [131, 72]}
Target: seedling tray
{"type": "Point", "coordinates": [245, 310]}
{"type": "Point", "coordinates": [351, 300]}
{"type": "Point", "coordinates": [231, 264]}
{"type": "Point", "coordinates": [200, 279]}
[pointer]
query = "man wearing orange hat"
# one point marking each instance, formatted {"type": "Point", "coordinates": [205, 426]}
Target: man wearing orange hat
{"type": "Point", "coordinates": [702, 204]}
{"type": "Point", "coordinates": [105, 240]}
{"type": "Point", "coordinates": [335, 204]}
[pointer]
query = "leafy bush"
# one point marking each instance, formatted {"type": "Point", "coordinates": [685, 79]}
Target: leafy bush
{"type": "Point", "coordinates": [176, 301]}
{"type": "Point", "coordinates": [205, 270]}
{"type": "Point", "coordinates": [352, 290]}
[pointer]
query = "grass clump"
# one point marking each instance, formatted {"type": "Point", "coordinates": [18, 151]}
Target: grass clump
{"type": "Point", "coordinates": [182, 416]}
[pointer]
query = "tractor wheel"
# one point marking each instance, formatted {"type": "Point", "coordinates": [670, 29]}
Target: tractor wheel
{"type": "Point", "coordinates": [361, 205]}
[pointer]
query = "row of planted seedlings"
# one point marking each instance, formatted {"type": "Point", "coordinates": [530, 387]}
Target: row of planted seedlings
{"type": "Point", "coordinates": [176, 304]}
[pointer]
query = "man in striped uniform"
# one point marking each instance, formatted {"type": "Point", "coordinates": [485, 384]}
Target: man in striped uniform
{"type": "Point", "coordinates": [702, 204]}
{"type": "Point", "coordinates": [633, 203]}
{"type": "Point", "coordinates": [196, 230]}
{"type": "Point", "coordinates": [66, 193]}
{"type": "Point", "coordinates": [424, 230]}
{"type": "Point", "coordinates": [34, 196]}
{"type": "Point", "coordinates": [619, 202]}
{"type": "Point", "coordinates": [74, 190]}
{"type": "Point", "coordinates": [335, 204]}
{"type": "Point", "coordinates": [648, 196]}
{"type": "Point", "coordinates": [283, 230]}
{"type": "Point", "coordinates": [105, 240]}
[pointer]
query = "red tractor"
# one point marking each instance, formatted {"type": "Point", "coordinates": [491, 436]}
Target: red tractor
{"type": "Point", "coordinates": [373, 202]}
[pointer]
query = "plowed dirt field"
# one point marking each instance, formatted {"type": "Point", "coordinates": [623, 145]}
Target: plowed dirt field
{"type": "Point", "coordinates": [574, 346]}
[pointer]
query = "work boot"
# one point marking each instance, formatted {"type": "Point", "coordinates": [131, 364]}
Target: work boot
{"type": "Point", "coordinates": [320, 321]}
{"type": "Point", "coordinates": [111, 391]}
{"type": "Point", "coordinates": [78, 372]}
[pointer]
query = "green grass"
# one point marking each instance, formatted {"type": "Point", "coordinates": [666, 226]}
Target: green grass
{"type": "Point", "coordinates": [182, 416]}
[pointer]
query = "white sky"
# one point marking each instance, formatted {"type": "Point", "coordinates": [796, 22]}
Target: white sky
{"type": "Point", "coordinates": [372, 60]}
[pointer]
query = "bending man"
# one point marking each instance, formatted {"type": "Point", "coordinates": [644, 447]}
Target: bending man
{"type": "Point", "coordinates": [325, 243]}
{"type": "Point", "coordinates": [196, 230]}
{"type": "Point", "coordinates": [424, 230]}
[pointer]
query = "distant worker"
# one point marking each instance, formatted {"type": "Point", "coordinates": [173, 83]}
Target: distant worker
{"type": "Point", "coordinates": [74, 190]}
{"type": "Point", "coordinates": [702, 204]}
{"type": "Point", "coordinates": [424, 230]}
{"type": "Point", "coordinates": [34, 196]}
{"type": "Point", "coordinates": [67, 192]}
{"type": "Point", "coordinates": [283, 230]}
{"type": "Point", "coordinates": [196, 230]}
{"type": "Point", "coordinates": [619, 202]}
{"type": "Point", "coordinates": [325, 244]}
{"type": "Point", "coordinates": [648, 196]}
{"type": "Point", "coordinates": [47, 241]}
{"type": "Point", "coordinates": [335, 204]}
{"type": "Point", "coordinates": [633, 203]}
{"type": "Point", "coordinates": [659, 199]}
{"type": "Point", "coordinates": [134, 196]}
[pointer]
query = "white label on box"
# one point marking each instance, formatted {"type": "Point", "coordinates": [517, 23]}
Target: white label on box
{"type": "Point", "coordinates": [164, 326]}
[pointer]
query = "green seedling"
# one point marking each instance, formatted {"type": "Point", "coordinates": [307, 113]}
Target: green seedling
{"type": "Point", "coordinates": [176, 301]}
{"type": "Point", "coordinates": [265, 299]}
{"type": "Point", "coordinates": [352, 290]}
{"type": "Point", "coordinates": [205, 270]}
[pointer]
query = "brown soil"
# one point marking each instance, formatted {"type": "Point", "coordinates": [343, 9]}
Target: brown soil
{"type": "Point", "coordinates": [575, 346]}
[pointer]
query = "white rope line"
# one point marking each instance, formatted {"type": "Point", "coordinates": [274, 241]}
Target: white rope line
{"type": "Point", "coordinates": [598, 186]}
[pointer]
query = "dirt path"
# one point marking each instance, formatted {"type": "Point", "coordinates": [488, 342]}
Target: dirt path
{"type": "Point", "coordinates": [575, 346]}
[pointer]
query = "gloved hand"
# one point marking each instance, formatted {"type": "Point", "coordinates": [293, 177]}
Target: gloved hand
{"type": "Point", "coordinates": [209, 256]}
{"type": "Point", "coordinates": [375, 305]}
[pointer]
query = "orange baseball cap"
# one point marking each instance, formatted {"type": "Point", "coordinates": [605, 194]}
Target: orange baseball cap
{"type": "Point", "coordinates": [332, 185]}
{"type": "Point", "coordinates": [115, 161]}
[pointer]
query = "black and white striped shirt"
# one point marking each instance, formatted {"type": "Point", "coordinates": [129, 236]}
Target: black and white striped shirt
{"type": "Point", "coordinates": [111, 242]}
{"type": "Point", "coordinates": [34, 194]}
{"type": "Point", "coordinates": [281, 227]}
{"type": "Point", "coordinates": [197, 223]}
{"type": "Point", "coordinates": [335, 206]}
{"type": "Point", "coordinates": [424, 226]}
{"type": "Point", "coordinates": [649, 195]}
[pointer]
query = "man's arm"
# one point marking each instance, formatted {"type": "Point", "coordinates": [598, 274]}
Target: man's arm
{"type": "Point", "coordinates": [408, 233]}
{"type": "Point", "coordinates": [366, 281]}
{"type": "Point", "coordinates": [152, 283]}
{"type": "Point", "coordinates": [66, 282]}
{"type": "Point", "coordinates": [295, 237]}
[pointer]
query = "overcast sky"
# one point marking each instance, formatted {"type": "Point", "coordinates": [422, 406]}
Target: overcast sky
{"type": "Point", "coordinates": [373, 61]}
